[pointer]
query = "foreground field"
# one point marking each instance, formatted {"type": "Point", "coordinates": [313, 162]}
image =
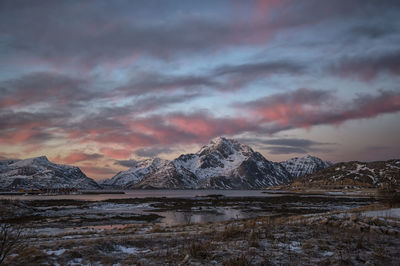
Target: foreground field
{"type": "Point", "coordinates": [362, 235]}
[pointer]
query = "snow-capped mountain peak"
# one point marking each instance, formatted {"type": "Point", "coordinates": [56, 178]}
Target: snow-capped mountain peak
{"type": "Point", "coordinates": [222, 163]}
{"type": "Point", "coordinates": [224, 147]}
{"type": "Point", "coordinates": [41, 160]}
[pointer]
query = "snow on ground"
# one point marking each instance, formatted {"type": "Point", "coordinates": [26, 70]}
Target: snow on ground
{"type": "Point", "coordinates": [128, 250]}
{"type": "Point", "coordinates": [393, 213]}
{"type": "Point", "coordinates": [56, 252]}
{"type": "Point", "coordinates": [293, 246]}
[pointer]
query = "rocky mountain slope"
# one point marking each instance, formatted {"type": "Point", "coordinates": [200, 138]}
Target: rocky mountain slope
{"type": "Point", "coordinates": [222, 164]}
{"type": "Point", "coordinates": [135, 174]}
{"type": "Point", "coordinates": [305, 165]}
{"type": "Point", "coordinates": [353, 174]}
{"type": "Point", "coordinates": [39, 173]}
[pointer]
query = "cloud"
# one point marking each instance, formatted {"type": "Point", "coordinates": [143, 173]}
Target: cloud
{"type": "Point", "coordinates": [126, 163]}
{"type": "Point", "coordinates": [237, 76]}
{"type": "Point", "coordinates": [270, 114]}
{"type": "Point", "coordinates": [105, 33]}
{"type": "Point", "coordinates": [285, 150]}
{"type": "Point", "coordinates": [291, 142]}
{"type": "Point", "coordinates": [262, 68]}
{"type": "Point", "coordinates": [376, 148]}
{"type": "Point", "coordinates": [145, 83]}
{"type": "Point", "coordinates": [152, 151]}
{"type": "Point", "coordinates": [77, 156]}
{"type": "Point", "coordinates": [116, 153]}
{"type": "Point", "coordinates": [29, 128]}
{"type": "Point", "coordinates": [44, 87]}
{"type": "Point", "coordinates": [223, 78]}
{"type": "Point", "coordinates": [368, 67]}
{"type": "Point", "coordinates": [306, 108]}
{"type": "Point", "coordinates": [371, 31]}
{"type": "Point", "coordinates": [289, 108]}
{"type": "Point", "coordinates": [288, 145]}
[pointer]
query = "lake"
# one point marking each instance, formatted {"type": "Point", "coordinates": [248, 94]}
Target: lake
{"type": "Point", "coordinates": [178, 206]}
{"type": "Point", "coordinates": [148, 193]}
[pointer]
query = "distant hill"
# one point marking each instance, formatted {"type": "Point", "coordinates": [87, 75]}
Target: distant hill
{"type": "Point", "coordinates": [305, 165]}
{"type": "Point", "coordinates": [40, 173]}
{"type": "Point", "coordinates": [353, 174]}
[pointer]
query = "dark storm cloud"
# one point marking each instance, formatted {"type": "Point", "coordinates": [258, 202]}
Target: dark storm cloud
{"type": "Point", "coordinates": [126, 163]}
{"type": "Point", "coordinates": [152, 151]}
{"type": "Point", "coordinates": [369, 66]}
{"type": "Point", "coordinates": [285, 150]}
{"type": "Point", "coordinates": [301, 143]}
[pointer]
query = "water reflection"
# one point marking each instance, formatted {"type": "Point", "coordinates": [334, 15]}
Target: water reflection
{"type": "Point", "coordinates": [217, 215]}
{"type": "Point", "coordinates": [151, 193]}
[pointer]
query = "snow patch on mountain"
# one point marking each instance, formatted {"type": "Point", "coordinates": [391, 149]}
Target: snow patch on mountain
{"type": "Point", "coordinates": [39, 172]}
{"type": "Point", "coordinates": [305, 165]}
{"type": "Point", "coordinates": [135, 174]}
{"type": "Point", "coordinates": [354, 174]}
{"type": "Point", "coordinates": [222, 164]}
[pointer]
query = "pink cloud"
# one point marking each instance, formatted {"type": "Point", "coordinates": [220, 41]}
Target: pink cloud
{"type": "Point", "coordinates": [116, 153]}
{"type": "Point", "coordinates": [306, 108]}
{"type": "Point", "coordinates": [77, 156]}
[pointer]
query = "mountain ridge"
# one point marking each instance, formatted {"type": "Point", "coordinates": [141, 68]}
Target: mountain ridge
{"type": "Point", "coordinates": [375, 174]}
{"type": "Point", "coordinates": [40, 173]}
{"type": "Point", "coordinates": [221, 164]}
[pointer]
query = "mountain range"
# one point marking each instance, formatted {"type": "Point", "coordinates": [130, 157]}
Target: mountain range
{"type": "Point", "coordinates": [40, 173]}
{"type": "Point", "coordinates": [221, 164]}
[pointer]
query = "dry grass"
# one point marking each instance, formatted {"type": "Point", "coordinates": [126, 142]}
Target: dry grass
{"type": "Point", "coordinates": [200, 250]}
{"type": "Point", "coordinates": [237, 261]}
{"type": "Point", "coordinates": [230, 232]}
{"type": "Point", "coordinates": [157, 229]}
{"type": "Point", "coordinates": [29, 256]}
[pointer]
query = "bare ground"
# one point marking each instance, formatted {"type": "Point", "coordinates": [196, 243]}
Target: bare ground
{"type": "Point", "coordinates": [335, 238]}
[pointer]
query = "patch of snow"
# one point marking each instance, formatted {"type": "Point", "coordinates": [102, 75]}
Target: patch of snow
{"type": "Point", "coordinates": [293, 246]}
{"type": "Point", "coordinates": [327, 253]}
{"type": "Point", "coordinates": [56, 252]}
{"type": "Point", "coordinates": [128, 250]}
{"type": "Point", "coordinates": [392, 213]}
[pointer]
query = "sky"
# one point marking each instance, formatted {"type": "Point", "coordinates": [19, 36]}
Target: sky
{"type": "Point", "coordinates": [99, 84]}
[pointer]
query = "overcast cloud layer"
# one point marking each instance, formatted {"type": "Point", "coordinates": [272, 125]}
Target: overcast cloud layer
{"type": "Point", "coordinates": [100, 84]}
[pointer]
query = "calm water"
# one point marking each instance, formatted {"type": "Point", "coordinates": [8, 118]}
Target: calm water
{"type": "Point", "coordinates": [198, 214]}
{"type": "Point", "coordinates": [148, 194]}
